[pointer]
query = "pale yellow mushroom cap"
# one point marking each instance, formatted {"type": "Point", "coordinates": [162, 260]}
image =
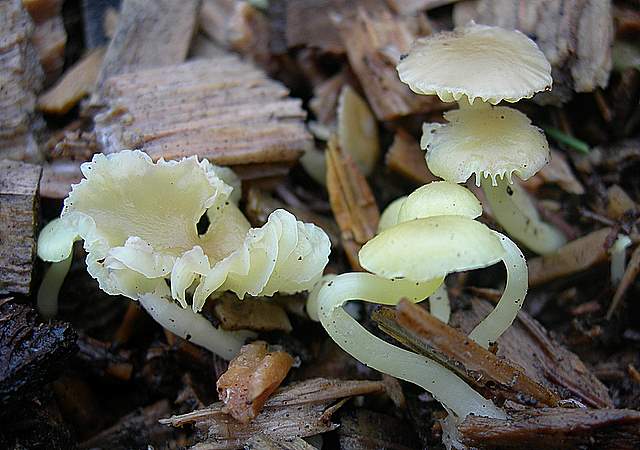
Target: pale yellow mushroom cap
{"type": "Point", "coordinates": [426, 249]}
{"type": "Point", "coordinates": [478, 62]}
{"type": "Point", "coordinates": [486, 141]}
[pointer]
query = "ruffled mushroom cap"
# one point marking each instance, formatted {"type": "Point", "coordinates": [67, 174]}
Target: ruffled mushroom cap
{"type": "Point", "coordinates": [477, 62]}
{"type": "Point", "coordinates": [138, 220]}
{"type": "Point", "coordinates": [488, 141]}
{"type": "Point", "coordinates": [428, 249]}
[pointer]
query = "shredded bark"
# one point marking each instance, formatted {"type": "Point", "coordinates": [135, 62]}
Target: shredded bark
{"type": "Point", "coordinates": [557, 428]}
{"type": "Point", "coordinates": [252, 377]}
{"type": "Point", "coordinates": [259, 314]}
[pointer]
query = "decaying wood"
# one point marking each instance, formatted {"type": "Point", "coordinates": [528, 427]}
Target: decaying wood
{"type": "Point", "coordinates": [104, 359]}
{"type": "Point", "coordinates": [222, 109]}
{"type": "Point", "coordinates": [57, 178]}
{"type": "Point", "coordinates": [363, 429]}
{"type": "Point", "coordinates": [575, 36]}
{"type": "Point", "coordinates": [527, 344]}
{"type": "Point", "coordinates": [77, 82]}
{"type": "Point", "coordinates": [251, 378]}
{"type": "Point", "coordinates": [31, 353]}
{"type": "Point", "coordinates": [49, 37]}
{"type": "Point", "coordinates": [150, 33]}
{"type": "Point", "coordinates": [629, 277]}
{"type": "Point", "coordinates": [406, 158]}
{"type": "Point", "coordinates": [574, 257]}
{"type": "Point", "coordinates": [374, 42]}
{"type": "Point", "coordinates": [297, 410]}
{"type": "Point", "coordinates": [488, 373]}
{"type": "Point", "coordinates": [18, 218]}
{"type": "Point", "coordinates": [352, 202]}
{"type": "Point", "coordinates": [259, 314]}
{"type": "Point", "coordinates": [21, 78]}
{"type": "Point", "coordinates": [555, 428]}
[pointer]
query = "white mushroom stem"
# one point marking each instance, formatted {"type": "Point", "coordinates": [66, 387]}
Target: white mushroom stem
{"type": "Point", "coordinates": [505, 312]}
{"type": "Point", "coordinates": [194, 327]}
{"type": "Point", "coordinates": [325, 304]}
{"type": "Point", "coordinates": [618, 252]}
{"type": "Point", "coordinates": [515, 212]}
{"type": "Point", "coordinates": [439, 305]}
{"type": "Point", "coordinates": [47, 298]}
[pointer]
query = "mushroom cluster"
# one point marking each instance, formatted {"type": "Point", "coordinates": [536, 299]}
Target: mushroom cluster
{"type": "Point", "coordinates": [424, 237]}
{"type": "Point", "coordinates": [139, 223]}
{"type": "Point", "coordinates": [480, 66]}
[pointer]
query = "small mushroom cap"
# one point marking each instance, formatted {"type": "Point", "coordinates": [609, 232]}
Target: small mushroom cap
{"type": "Point", "coordinates": [425, 249]}
{"type": "Point", "coordinates": [476, 61]}
{"type": "Point", "coordinates": [440, 198]}
{"type": "Point", "coordinates": [488, 141]}
{"type": "Point", "coordinates": [389, 216]}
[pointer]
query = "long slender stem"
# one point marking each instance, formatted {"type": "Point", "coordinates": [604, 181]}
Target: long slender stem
{"type": "Point", "coordinates": [47, 298]}
{"type": "Point", "coordinates": [514, 210]}
{"type": "Point", "coordinates": [326, 304]}
{"type": "Point", "coordinates": [439, 305]}
{"type": "Point", "coordinates": [505, 312]}
{"type": "Point", "coordinates": [194, 327]}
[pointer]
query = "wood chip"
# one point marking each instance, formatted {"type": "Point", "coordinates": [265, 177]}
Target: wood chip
{"type": "Point", "coordinates": [557, 428]}
{"type": "Point", "coordinates": [150, 33]}
{"type": "Point", "coordinates": [76, 83]}
{"type": "Point", "coordinates": [222, 109]}
{"type": "Point", "coordinates": [576, 37]}
{"type": "Point", "coordinates": [363, 429]}
{"type": "Point", "coordinates": [298, 410]}
{"type": "Point", "coordinates": [18, 218]}
{"type": "Point", "coordinates": [251, 378]}
{"type": "Point", "coordinates": [352, 202]}
{"type": "Point", "coordinates": [374, 41]}
{"type": "Point", "coordinates": [486, 371]}
{"type": "Point", "coordinates": [324, 103]}
{"type": "Point", "coordinates": [559, 172]}
{"type": "Point", "coordinates": [57, 178]}
{"type": "Point", "coordinates": [619, 203]}
{"type": "Point", "coordinates": [406, 158]}
{"type": "Point", "coordinates": [21, 78]}
{"type": "Point", "coordinates": [528, 345]}
{"type": "Point", "coordinates": [259, 314]}
{"type": "Point", "coordinates": [574, 257]}
{"type": "Point", "coordinates": [49, 37]}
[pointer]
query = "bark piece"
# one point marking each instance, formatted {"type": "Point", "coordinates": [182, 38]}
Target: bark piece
{"type": "Point", "coordinates": [21, 78]}
{"type": "Point", "coordinates": [222, 109]}
{"type": "Point", "coordinates": [150, 33]}
{"type": "Point", "coordinates": [352, 202]}
{"type": "Point", "coordinates": [259, 314]}
{"type": "Point", "coordinates": [619, 203]}
{"type": "Point", "coordinates": [374, 41]}
{"type": "Point", "coordinates": [575, 36]}
{"type": "Point", "coordinates": [252, 377]}
{"type": "Point", "coordinates": [527, 344]}
{"type": "Point", "coordinates": [77, 82]}
{"type": "Point", "coordinates": [324, 103]}
{"type": "Point", "coordinates": [298, 410]}
{"type": "Point", "coordinates": [363, 429]}
{"type": "Point", "coordinates": [49, 38]}
{"type": "Point", "coordinates": [557, 428]}
{"type": "Point", "coordinates": [406, 158]}
{"type": "Point", "coordinates": [18, 218]}
{"type": "Point", "coordinates": [485, 371]}
{"type": "Point", "coordinates": [31, 353]}
{"type": "Point", "coordinates": [576, 256]}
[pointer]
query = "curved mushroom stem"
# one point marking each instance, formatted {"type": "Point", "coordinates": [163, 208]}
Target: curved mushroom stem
{"type": "Point", "coordinates": [325, 304]}
{"type": "Point", "coordinates": [47, 299]}
{"type": "Point", "coordinates": [194, 327]}
{"type": "Point", "coordinates": [618, 252]}
{"type": "Point", "coordinates": [514, 211]}
{"type": "Point", "coordinates": [439, 305]}
{"type": "Point", "coordinates": [505, 312]}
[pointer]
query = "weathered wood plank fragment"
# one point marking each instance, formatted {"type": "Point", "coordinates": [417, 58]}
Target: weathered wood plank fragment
{"type": "Point", "coordinates": [18, 200]}
{"type": "Point", "coordinates": [150, 33]}
{"type": "Point", "coordinates": [222, 109]}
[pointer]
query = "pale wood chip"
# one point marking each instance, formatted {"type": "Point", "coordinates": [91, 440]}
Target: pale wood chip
{"type": "Point", "coordinates": [559, 172]}
{"type": "Point", "coordinates": [298, 410]}
{"type": "Point", "coordinates": [222, 109]}
{"type": "Point", "coordinates": [150, 33]}
{"type": "Point", "coordinates": [406, 158]}
{"type": "Point", "coordinates": [76, 83]}
{"type": "Point", "coordinates": [251, 378]}
{"type": "Point", "coordinates": [557, 428]}
{"type": "Point", "coordinates": [18, 218]}
{"type": "Point", "coordinates": [619, 202]}
{"type": "Point", "coordinates": [576, 256]}
{"type": "Point", "coordinates": [259, 314]}
{"type": "Point", "coordinates": [352, 202]}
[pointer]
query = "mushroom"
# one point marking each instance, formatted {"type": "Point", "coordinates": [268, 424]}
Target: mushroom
{"type": "Point", "coordinates": [434, 234]}
{"type": "Point", "coordinates": [491, 142]}
{"type": "Point", "coordinates": [138, 220]}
